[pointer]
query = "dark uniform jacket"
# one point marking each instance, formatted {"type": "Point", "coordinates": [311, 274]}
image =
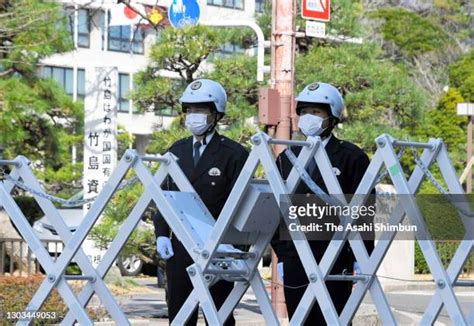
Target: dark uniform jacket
{"type": "Point", "coordinates": [352, 163]}
{"type": "Point", "coordinates": [222, 153]}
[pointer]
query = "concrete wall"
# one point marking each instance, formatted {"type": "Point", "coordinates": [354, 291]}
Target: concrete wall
{"type": "Point", "coordinates": [400, 259]}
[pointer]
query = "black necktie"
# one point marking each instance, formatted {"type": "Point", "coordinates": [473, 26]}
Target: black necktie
{"type": "Point", "coordinates": [197, 154]}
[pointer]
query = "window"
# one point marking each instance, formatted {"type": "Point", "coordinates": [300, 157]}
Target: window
{"type": "Point", "coordinates": [167, 112]}
{"type": "Point", "coordinates": [259, 6]}
{"type": "Point", "coordinates": [123, 90]}
{"type": "Point", "coordinates": [235, 4]}
{"type": "Point", "coordinates": [81, 84]}
{"type": "Point", "coordinates": [65, 76]}
{"type": "Point", "coordinates": [125, 39]}
{"type": "Point", "coordinates": [83, 26]}
{"type": "Point", "coordinates": [227, 50]}
{"type": "Point", "coordinates": [69, 13]}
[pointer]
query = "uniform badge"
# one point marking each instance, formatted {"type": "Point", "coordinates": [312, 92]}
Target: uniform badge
{"type": "Point", "coordinates": [336, 171]}
{"type": "Point", "coordinates": [313, 87]}
{"type": "Point", "coordinates": [196, 85]}
{"type": "Point", "coordinates": [214, 172]}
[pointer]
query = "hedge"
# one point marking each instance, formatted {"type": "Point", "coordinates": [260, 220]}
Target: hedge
{"type": "Point", "coordinates": [446, 251]}
{"type": "Point", "coordinates": [16, 292]}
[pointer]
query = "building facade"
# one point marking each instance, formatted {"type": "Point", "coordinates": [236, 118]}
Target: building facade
{"type": "Point", "coordinates": [96, 44]}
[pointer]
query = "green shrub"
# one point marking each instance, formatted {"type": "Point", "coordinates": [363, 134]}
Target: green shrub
{"type": "Point", "coordinates": [446, 251]}
{"type": "Point", "coordinates": [16, 292]}
{"type": "Point", "coordinates": [412, 33]}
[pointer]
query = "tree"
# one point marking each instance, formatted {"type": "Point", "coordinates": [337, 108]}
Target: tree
{"type": "Point", "coordinates": [182, 52]}
{"type": "Point", "coordinates": [426, 40]}
{"type": "Point", "coordinates": [379, 95]}
{"type": "Point", "coordinates": [141, 241]}
{"type": "Point", "coordinates": [461, 76]}
{"type": "Point", "coordinates": [411, 33]}
{"type": "Point", "coordinates": [37, 119]}
{"type": "Point", "coordinates": [443, 122]}
{"type": "Point", "coordinates": [179, 52]}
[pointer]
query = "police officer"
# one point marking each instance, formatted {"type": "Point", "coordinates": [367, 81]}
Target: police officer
{"type": "Point", "coordinates": [319, 107]}
{"type": "Point", "coordinates": [212, 164]}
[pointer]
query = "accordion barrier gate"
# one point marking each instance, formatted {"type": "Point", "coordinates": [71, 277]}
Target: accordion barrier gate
{"type": "Point", "coordinates": [249, 217]}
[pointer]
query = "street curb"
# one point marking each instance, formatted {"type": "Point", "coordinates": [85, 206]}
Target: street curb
{"type": "Point", "coordinates": [365, 316]}
{"type": "Point", "coordinates": [416, 286]}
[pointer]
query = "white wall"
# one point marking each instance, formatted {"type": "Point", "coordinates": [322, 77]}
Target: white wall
{"type": "Point", "coordinates": [399, 262]}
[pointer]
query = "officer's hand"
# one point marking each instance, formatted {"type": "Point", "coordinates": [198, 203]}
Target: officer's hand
{"type": "Point", "coordinates": [164, 247]}
{"type": "Point", "coordinates": [280, 270]}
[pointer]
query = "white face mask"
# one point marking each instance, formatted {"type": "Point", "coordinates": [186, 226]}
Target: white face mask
{"type": "Point", "coordinates": [311, 125]}
{"type": "Point", "coordinates": [197, 123]}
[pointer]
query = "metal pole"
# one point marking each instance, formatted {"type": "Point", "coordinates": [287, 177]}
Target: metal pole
{"type": "Point", "coordinates": [469, 153]}
{"type": "Point", "coordinates": [299, 143]}
{"type": "Point", "coordinates": [260, 39]}
{"type": "Point", "coordinates": [282, 74]}
{"type": "Point", "coordinates": [401, 143]}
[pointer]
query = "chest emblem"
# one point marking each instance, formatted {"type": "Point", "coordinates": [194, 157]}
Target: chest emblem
{"type": "Point", "coordinates": [336, 171]}
{"type": "Point", "coordinates": [214, 172]}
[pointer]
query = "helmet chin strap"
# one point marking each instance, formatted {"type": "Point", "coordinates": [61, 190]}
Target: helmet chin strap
{"type": "Point", "coordinates": [328, 130]}
{"type": "Point", "coordinates": [209, 130]}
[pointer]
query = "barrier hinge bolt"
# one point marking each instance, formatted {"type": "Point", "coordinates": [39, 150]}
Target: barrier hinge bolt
{"type": "Point", "coordinates": [441, 284]}
{"type": "Point", "coordinates": [313, 278]}
{"type": "Point", "coordinates": [256, 140]}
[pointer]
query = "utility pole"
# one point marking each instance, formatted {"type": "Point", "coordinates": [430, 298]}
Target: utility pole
{"type": "Point", "coordinates": [282, 79]}
{"type": "Point", "coordinates": [283, 62]}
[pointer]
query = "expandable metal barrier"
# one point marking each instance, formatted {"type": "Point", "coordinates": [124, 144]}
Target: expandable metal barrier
{"type": "Point", "coordinates": [250, 216]}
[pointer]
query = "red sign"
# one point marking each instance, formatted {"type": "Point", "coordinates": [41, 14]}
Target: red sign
{"type": "Point", "coordinates": [130, 13]}
{"type": "Point", "coordinates": [315, 9]}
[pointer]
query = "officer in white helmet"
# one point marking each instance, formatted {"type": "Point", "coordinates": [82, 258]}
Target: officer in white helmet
{"type": "Point", "coordinates": [212, 164]}
{"type": "Point", "coordinates": [319, 107]}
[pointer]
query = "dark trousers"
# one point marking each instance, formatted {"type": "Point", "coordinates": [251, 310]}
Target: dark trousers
{"type": "Point", "coordinates": [180, 286]}
{"type": "Point", "coordinates": [295, 276]}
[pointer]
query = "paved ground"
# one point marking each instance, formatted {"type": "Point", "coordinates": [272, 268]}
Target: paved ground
{"type": "Point", "coordinates": [152, 307]}
{"type": "Point", "coordinates": [149, 307]}
{"type": "Point", "coordinates": [410, 305]}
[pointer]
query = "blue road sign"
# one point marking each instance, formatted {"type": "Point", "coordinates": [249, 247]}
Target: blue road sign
{"type": "Point", "coordinates": [183, 13]}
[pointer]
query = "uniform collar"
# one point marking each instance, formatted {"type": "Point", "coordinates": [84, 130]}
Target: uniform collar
{"type": "Point", "coordinates": [207, 139]}
{"type": "Point", "coordinates": [332, 145]}
{"type": "Point", "coordinates": [325, 141]}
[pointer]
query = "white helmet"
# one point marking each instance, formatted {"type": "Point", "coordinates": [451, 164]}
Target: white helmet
{"type": "Point", "coordinates": [321, 93]}
{"type": "Point", "coordinates": [205, 91]}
